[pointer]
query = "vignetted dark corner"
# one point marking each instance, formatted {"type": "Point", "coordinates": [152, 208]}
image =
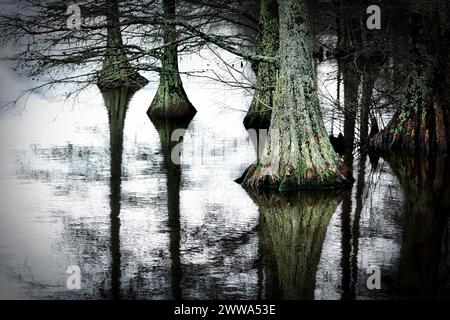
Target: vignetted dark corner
{"type": "Point", "coordinates": [224, 150]}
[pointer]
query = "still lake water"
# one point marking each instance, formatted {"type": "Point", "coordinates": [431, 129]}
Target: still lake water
{"type": "Point", "coordinates": [79, 187]}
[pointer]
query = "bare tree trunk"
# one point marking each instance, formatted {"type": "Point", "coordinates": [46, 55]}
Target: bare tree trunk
{"type": "Point", "coordinates": [368, 83]}
{"type": "Point", "coordinates": [351, 84]}
{"type": "Point", "coordinates": [298, 151]}
{"type": "Point", "coordinates": [259, 113]}
{"type": "Point", "coordinates": [170, 101]}
{"type": "Point", "coordinates": [117, 71]}
{"type": "Point", "coordinates": [423, 121]}
{"type": "Point", "coordinates": [348, 49]}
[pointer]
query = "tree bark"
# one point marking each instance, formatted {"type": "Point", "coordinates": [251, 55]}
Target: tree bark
{"type": "Point", "coordinates": [351, 84]}
{"type": "Point", "coordinates": [298, 152]}
{"type": "Point", "coordinates": [368, 83]}
{"type": "Point", "coordinates": [258, 115]}
{"type": "Point", "coordinates": [117, 72]}
{"type": "Point", "coordinates": [423, 121]}
{"type": "Point", "coordinates": [348, 49]}
{"type": "Point", "coordinates": [170, 101]}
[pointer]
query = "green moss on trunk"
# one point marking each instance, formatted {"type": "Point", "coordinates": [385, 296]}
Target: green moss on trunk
{"type": "Point", "coordinates": [259, 113]}
{"type": "Point", "coordinates": [170, 101]}
{"type": "Point", "coordinates": [117, 71]}
{"type": "Point", "coordinates": [298, 153]}
{"type": "Point", "coordinates": [423, 121]}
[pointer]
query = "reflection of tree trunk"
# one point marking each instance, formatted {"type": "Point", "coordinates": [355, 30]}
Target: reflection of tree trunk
{"type": "Point", "coordinates": [173, 170]}
{"type": "Point", "coordinates": [292, 231]}
{"type": "Point", "coordinates": [346, 235]}
{"type": "Point", "coordinates": [346, 231]}
{"type": "Point", "coordinates": [116, 101]}
{"type": "Point", "coordinates": [268, 285]}
{"type": "Point", "coordinates": [170, 101]}
{"type": "Point", "coordinates": [299, 150]}
{"type": "Point", "coordinates": [258, 115]}
{"type": "Point", "coordinates": [360, 184]}
{"type": "Point", "coordinates": [350, 233]}
{"type": "Point", "coordinates": [426, 186]}
{"type": "Point", "coordinates": [259, 263]}
{"type": "Point", "coordinates": [117, 72]}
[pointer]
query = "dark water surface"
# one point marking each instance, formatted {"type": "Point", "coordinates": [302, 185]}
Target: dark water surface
{"type": "Point", "coordinates": [95, 187]}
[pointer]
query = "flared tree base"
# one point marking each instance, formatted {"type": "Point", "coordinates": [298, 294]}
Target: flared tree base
{"type": "Point", "coordinates": [426, 130]}
{"type": "Point", "coordinates": [255, 180]}
{"type": "Point", "coordinates": [257, 120]}
{"type": "Point", "coordinates": [171, 104]}
{"type": "Point", "coordinates": [134, 81]}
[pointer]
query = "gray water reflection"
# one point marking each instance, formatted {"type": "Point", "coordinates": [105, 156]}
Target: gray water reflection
{"type": "Point", "coordinates": [104, 195]}
{"type": "Point", "coordinates": [423, 266]}
{"type": "Point", "coordinates": [293, 229]}
{"type": "Point", "coordinates": [166, 130]}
